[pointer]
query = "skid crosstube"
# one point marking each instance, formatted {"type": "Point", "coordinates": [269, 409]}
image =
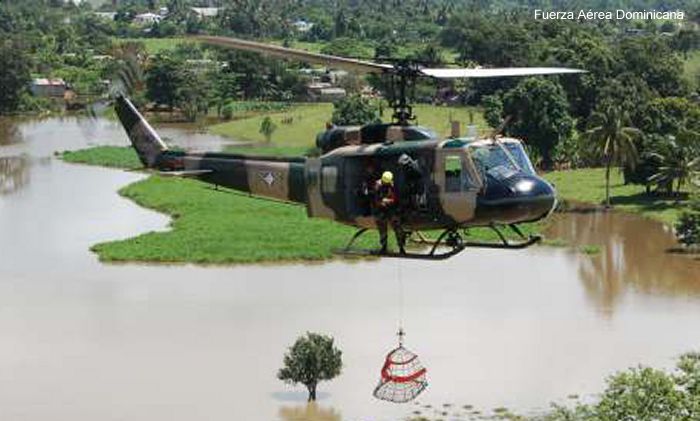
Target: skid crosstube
{"type": "Point", "coordinates": [448, 238]}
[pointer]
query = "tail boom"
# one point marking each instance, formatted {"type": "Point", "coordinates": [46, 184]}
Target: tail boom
{"type": "Point", "coordinates": [276, 178]}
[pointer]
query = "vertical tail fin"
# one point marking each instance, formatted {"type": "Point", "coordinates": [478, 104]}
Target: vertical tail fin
{"type": "Point", "coordinates": [145, 140]}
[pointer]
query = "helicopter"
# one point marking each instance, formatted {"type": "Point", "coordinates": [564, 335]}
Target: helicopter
{"type": "Point", "coordinates": [444, 184]}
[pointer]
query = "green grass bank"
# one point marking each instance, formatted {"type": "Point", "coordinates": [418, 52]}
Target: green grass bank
{"type": "Point", "coordinates": [588, 185]}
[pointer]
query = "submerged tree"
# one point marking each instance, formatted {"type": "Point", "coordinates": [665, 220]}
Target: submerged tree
{"type": "Point", "coordinates": [613, 140]}
{"type": "Point", "coordinates": [312, 359]}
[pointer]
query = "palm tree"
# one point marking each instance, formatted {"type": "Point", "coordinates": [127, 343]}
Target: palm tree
{"type": "Point", "coordinates": [680, 162]}
{"type": "Point", "coordinates": [613, 139]}
{"type": "Point", "coordinates": [127, 71]}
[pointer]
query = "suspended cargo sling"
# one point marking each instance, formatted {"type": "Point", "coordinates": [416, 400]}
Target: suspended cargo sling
{"type": "Point", "coordinates": [403, 377]}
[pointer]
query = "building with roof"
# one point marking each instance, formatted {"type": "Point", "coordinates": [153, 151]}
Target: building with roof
{"type": "Point", "coordinates": [54, 88]}
{"type": "Point", "coordinates": [206, 12]}
{"type": "Point", "coordinates": [105, 15]}
{"type": "Point", "coordinates": [147, 18]}
{"type": "Point", "coordinates": [302, 26]}
{"type": "Point", "coordinates": [323, 91]}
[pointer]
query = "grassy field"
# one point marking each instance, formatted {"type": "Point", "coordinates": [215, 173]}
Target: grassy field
{"type": "Point", "coordinates": [155, 45]}
{"type": "Point", "coordinates": [588, 185]}
{"type": "Point", "coordinates": [221, 226]}
{"type": "Point", "coordinates": [691, 68]}
{"type": "Point", "coordinates": [310, 119]}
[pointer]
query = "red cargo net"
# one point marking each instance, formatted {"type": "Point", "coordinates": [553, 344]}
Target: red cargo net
{"type": "Point", "coordinates": [402, 377]}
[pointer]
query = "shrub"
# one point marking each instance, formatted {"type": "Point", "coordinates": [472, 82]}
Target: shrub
{"type": "Point", "coordinates": [688, 228]}
{"type": "Point", "coordinates": [227, 111]}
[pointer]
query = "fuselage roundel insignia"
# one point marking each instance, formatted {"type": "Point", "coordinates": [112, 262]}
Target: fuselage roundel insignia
{"type": "Point", "coordinates": [268, 178]}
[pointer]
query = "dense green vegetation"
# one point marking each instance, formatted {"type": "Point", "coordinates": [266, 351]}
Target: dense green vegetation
{"type": "Point", "coordinates": [691, 68]}
{"type": "Point", "coordinates": [14, 76]}
{"type": "Point", "coordinates": [153, 46]}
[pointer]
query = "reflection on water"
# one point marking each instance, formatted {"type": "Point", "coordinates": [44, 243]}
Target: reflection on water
{"type": "Point", "coordinates": [9, 132]}
{"type": "Point", "coordinates": [312, 411]}
{"type": "Point", "coordinates": [14, 173]}
{"type": "Point", "coordinates": [634, 255]}
{"type": "Point", "coordinates": [22, 140]}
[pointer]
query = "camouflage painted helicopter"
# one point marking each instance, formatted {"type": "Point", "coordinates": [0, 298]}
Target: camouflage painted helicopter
{"type": "Point", "coordinates": [449, 184]}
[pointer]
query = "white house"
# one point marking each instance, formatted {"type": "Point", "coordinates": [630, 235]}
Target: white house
{"type": "Point", "coordinates": [302, 25]}
{"type": "Point", "coordinates": [48, 87]}
{"type": "Point", "coordinates": [324, 91]}
{"type": "Point", "coordinates": [147, 18]}
{"type": "Point", "coordinates": [105, 15]}
{"type": "Point", "coordinates": [205, 12]}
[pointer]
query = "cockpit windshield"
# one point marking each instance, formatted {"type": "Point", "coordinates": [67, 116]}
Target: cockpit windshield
{"type": "Point", "coordinates": [501, 160]}
{"type": "Point", "coordinates": [520, 156]}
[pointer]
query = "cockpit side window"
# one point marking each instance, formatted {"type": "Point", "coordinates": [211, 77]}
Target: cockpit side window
{"type": "Point", "coordinates": [457, 178]}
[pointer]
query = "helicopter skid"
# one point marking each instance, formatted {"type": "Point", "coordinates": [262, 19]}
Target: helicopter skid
{"type": "Point", "coordinates": [407, 255]}
{"type": "Point", "coordinates": [532, 240]}
{"type": "Point", "coordinates": [449, 238]}
{"type": "Point", "coordinates": [504, 243]}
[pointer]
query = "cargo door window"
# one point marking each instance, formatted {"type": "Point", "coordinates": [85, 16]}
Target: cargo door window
{"type": "Point", "coordinates": [457, 178]}
{"type": "Point", "coordinates": [329, 179]}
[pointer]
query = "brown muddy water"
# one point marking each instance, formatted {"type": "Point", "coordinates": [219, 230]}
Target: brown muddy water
{"type": "Point", "coordinates": [80, 340]}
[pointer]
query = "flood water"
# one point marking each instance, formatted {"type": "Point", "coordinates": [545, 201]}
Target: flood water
{"type": "Point", "coordinates": [80, 340]}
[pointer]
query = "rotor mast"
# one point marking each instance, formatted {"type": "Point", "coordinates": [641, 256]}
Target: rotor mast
{"type": "Point", "coordinates": [400, 85]}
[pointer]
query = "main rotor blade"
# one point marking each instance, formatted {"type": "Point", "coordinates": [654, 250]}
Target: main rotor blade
{"type": "Point", "coordinates": [447, 73]}
{"type": "Point", "coordinates": [301, 55]}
